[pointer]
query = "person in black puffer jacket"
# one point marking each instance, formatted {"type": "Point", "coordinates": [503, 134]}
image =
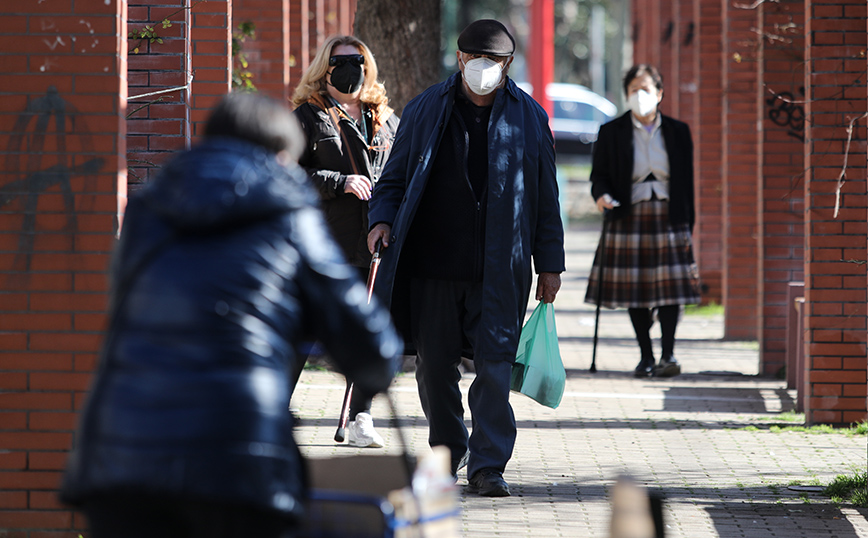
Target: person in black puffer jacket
{"type": "Point", "coordinates": [344, 113]}
{"type": "Point", "coordinates": [224, 266]}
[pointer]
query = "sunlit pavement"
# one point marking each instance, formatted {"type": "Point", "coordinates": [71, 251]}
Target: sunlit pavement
{"type": "Point", "coordinates": [686, 438]}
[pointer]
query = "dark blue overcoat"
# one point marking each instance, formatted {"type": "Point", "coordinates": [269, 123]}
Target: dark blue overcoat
{"type": "Point", "coordinates": [523, 213]}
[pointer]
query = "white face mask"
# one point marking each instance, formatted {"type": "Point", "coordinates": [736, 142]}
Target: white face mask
{"type": "Point", "coordinates": [642, 103]}
{"type": "Point", "coordinates": [482, 75]}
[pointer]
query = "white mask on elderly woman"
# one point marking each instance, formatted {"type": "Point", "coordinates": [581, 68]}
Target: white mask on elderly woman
{"type": "Point", "coordinates": [642, 103]}
{"type": "Point", "coordinates": [482, 75]}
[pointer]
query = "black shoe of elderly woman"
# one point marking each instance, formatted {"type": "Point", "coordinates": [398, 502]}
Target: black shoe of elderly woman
{"type": "Point", "coordinates": [645, 368]}
{"type": "Point", "coordinates": [668, 367]}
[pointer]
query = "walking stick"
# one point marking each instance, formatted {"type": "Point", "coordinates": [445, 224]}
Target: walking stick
{"type": "Point", "coordinates": [593, 368]}
{"type": "Point", "coordinates": [340, 433]}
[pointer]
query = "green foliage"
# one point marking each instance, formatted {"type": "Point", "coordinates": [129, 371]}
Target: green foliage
{"type": "Point", "coordinates": [791, 416]}
{"type": "Point", "coordinates": [149, 34]}
{"type": "Point", "coordinates": [849, 489]}
{"type": "Point", "coordinates": [709, 310]}
{"type": "Point", "coordinates": [242, 78]}
{"type": "Point", "coordinates": [859, 429]}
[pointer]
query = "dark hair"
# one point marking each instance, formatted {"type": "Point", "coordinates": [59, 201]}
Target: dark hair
{"type": "Point", "coordinates": [643, 69]}
{"type": "Point", "coordinates": [258, 119]}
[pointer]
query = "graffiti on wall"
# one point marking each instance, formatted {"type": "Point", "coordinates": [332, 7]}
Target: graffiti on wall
{"type": "Point", "coordinates": [49, 164]}
{"type": "Point", "coordinates": [787, 112]}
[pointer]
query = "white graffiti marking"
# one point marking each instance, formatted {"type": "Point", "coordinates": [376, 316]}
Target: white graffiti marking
{"type": "Point", "coordinates": [47, 66]}
{"type": "Point", "coordinates": [57, 41]}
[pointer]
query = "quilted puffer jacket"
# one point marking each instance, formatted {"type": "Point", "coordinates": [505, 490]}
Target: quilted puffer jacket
{"type": "Point", "coordinates": [223, 268]}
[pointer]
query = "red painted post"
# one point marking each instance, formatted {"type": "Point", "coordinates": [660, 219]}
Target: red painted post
{"type": "Point", "coordinates": [541, 57]}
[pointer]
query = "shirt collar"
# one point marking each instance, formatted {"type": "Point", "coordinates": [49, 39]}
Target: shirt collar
{"type": "Point", "coordinates": [654, 126]}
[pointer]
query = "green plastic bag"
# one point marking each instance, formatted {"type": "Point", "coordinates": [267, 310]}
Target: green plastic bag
{"type": "Point", "coordinates": [538, 371]}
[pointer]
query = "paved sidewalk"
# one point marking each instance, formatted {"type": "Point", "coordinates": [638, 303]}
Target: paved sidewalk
{"type": "Point", "coordinates": [683, 437]}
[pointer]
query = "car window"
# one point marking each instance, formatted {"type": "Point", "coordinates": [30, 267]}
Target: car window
{"type": "Point", "coordinates": [572, 110]}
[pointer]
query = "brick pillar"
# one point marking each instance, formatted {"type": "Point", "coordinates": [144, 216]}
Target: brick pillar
{"type": "Point", "coordinates": [646, 31]}
{"type": "Point", "coordinates": [688, 53]}
{"type": "Point", "coordinates": [708, 238]}
{"type": "Point", "coordinates": [159, 123]}
{"type": "Point", "coordinates": [835, 287]}
{"type": "Point", "coordinates": [307, 32]}
{"type": "Point", "coordinates": [783, 168]}
{"type": "Point", "coordinates": [685, 82]}
{"type": "Point", "coordinates": [211, 59]}
{"type": "Point", "coordinates": [742, 240]}
{"type": "Point", "coordinates": [298, 37]}
{"type": "Point", "coordinates": [268, 52]}
{"type": "Point", "coordinates": [63, 184]}
{"type": "Point", "coordinates": [668, 47]}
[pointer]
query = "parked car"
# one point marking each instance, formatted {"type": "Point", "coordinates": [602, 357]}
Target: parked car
{"type": "Point", "coordinates": [578, 114]}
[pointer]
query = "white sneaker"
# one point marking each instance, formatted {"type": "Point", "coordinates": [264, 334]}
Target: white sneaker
{"type": "Point", "coordinates": [360, 432]}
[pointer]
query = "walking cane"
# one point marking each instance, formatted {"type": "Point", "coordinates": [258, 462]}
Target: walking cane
{"type": "Point", "coordinates": [340, 433]}
{"type": "Point", "coordinates": [606, 212]}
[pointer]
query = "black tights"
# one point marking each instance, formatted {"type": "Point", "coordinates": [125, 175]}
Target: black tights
{"type": "Point", "coordinates": [641, 318]}
{"type": "Point", "coordinates": [359, 403]}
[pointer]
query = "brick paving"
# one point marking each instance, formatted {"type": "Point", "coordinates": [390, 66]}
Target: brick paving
{"type": "Point", "coordinates": [686, 438]}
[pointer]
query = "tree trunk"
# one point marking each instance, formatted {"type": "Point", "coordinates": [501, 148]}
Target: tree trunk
{"type": "Point", "coordinates": [404, 36]}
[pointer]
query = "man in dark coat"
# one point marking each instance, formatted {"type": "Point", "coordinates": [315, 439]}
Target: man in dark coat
{"type": "Point", "coordinates": [469, 196]}
{"type": "Point", "coordinates": [224, 267]}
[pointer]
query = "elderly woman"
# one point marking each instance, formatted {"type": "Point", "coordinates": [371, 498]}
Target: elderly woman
{"type": "Point", "coordinates": [642, 177]}
{"type": "Point", "coordinates": [349, 127]}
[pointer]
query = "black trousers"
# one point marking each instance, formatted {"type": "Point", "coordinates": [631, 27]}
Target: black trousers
{"type": "Point", "coordinates": [359, 403]}
{"type": "Point", "coordinates": [153, 516]}
{"type": "Point", "coordinates": [446, 317]}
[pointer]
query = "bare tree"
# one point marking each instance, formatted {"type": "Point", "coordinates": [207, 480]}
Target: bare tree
{"type": "Point", "coordinates": [404, 35]}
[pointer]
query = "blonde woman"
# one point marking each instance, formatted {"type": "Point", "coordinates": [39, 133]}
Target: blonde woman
{"type": "Point", "coordinates": [349, 128]}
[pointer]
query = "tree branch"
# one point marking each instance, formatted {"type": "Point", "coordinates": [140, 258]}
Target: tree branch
{"type": "Point", "coordinates": [843, 174]}
{"type": "Point", "coordinates": [755, 5]}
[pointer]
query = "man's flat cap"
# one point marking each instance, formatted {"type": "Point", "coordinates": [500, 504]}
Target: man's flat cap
{"type": "Point", "coordinates": [486, 36]}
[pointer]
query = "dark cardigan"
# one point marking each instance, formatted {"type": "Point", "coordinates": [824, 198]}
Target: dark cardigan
{"type": "Point", "coordinates": [612, 169]}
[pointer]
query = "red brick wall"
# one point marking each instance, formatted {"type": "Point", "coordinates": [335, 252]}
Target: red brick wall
{"type": "Point", "coordinates": [158, 124]}
{"type": "Point", "coordinates": [835, 289]}
{"type": "Point", "coordinates": [766, 181]}
{"type": "Point", "coordinates": [783, 207]}
{"type": "Point", "coordinates": [310, 23]}
{"type": "Point", "coordinates": [742, 149]}
{"type": "Point", "coordinates": [63, 184]}
{"type": "Point", "coordinates": [646, 31]}
{"type": "Point", "coordinates": [288, 34]}
{"type": "Point", "coordinates": [64, 133]}
{"type": "Point", "coordinates": [684, 85]}
{"type": "Point", "coordinates": [211, 61]}
{"type": "Point", "coordinates": [688, 53]}
{"type": "Point", "coordinates": [708, 131]}
{"type": "Point", "coordinates": [268, 52]}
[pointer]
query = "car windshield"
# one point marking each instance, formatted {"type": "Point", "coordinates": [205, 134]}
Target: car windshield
{"type": "Point", "coordinates": [572, 110]}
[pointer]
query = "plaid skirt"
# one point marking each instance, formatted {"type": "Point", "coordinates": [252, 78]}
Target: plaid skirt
{"type": "Point", "coordinates": [649, 262]}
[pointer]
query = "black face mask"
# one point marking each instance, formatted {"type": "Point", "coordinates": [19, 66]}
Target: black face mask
{"type": "Point", "coordinates": [347, 77]}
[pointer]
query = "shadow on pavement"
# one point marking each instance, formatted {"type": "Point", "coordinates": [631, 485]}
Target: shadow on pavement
{"type": "Point", "coordinates": [628, 424]}
{"type": "Point", "coordinates": [770, 510]}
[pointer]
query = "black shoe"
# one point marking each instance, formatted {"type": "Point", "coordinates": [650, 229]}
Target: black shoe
{"type": "Point", "coordinates": [488, 483]}
{"type": "Point", "coordinates": [459, 464]}
{"type": "Point", "coordinates": [668, 367]}
{"type": "Point", "coordinates": [645, 368]}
